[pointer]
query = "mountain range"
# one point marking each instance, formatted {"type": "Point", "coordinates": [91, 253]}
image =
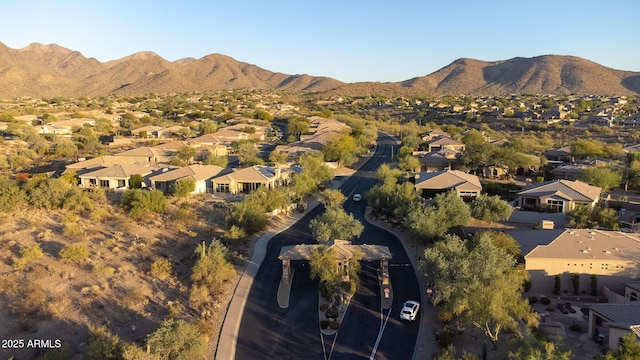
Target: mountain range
{"type": "Point", "coordinates": [51, 70]}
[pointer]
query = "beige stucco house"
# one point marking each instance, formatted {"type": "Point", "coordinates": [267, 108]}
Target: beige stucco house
{"type": "Point", "coordinates": [612, 256]}
{"type": "Point", "coordinates": [431, 183]}
{"type": "Point", "coordinates": [200, 174]}
{"type": "Point", "coordinates": [249, 179]}
{"type": "Point", "coordinates": [560, 195]}
{"type": "Point", "coordinates": [116, 177]}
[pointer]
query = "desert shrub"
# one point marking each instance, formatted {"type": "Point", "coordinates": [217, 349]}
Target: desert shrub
{"type": "Point", "coordinates": [444, 316]}
{"type": "Point", "coordinates": [134, 298]}
{"type": "Point", "coordinates": [184, 214]}
{"type": "Point", "coordinates": [99, 215]}
{"type": "Point", "coordinates": [72, 229]}
{"type": "Point", "coordinates": [533, 299]}
{"type": "Point", "coordinates": [184, 187]}
{"type": "Point", "coordinates": [199, 296]}
{"type": "Point", "coordinates": [177, 339]}
{"type": "Point", "coordinates": [11, 196]}
{"type": "Point", "coordinates": [102, 270]}
{"type": "Point", "coordinates": [20, 263]}
{"type": "Point", "coordinates": [102, 345]}
{"type": "Point", "coordinates": [175, 309]}
{"type": "Point", "coordinates": [234, 235]}
{"type": "Point", "coordinates": [139, 204]}
{"type": "Point", "coordinates": [31, 252]}
{"type": "Point", "coordinates": [74, 253]}
{"type": "Point", "coordinates": [444, 338]}
{"type": "Point", "coordinates": [490, 208]}
{"type": "Point", "coordinates": [545, 300]}
{"type": "Point", "coordinates": [33, 302]}
{"type": "Point", "coordinates": [213, 267]}
{"type": "Point", "coordinates": [324, 324]}
{"type": "Point", "coordinates": [161, 268]}
{"type": "Point", "coordinates": [334, 325]}
{"type": "Point", "coordinates": [575, 327]}
{"type": "Point", "coordinates": [69, 217]}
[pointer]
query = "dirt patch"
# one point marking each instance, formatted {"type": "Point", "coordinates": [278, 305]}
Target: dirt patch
{"type": "Point", "coordinates": [113, 286]}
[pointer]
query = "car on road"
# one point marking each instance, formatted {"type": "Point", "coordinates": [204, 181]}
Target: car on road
{"type": "Point", "coordinates": [357, 197]}
{"type": "Point", "coordinates": [409, 310]}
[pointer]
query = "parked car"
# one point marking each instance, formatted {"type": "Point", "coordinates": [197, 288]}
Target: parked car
{"type": "Point", "coordinates": [570, 308]}
{"type": "Point", "coordinates": [409, 310]}
{"type": "Point", "coordinates": [357, 197]}
{"type": "Point", "coordinates": [561, 308]}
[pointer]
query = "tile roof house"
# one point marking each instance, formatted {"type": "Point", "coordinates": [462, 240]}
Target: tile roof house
{"type": "Point", "coordinates": [200, 174]}
{"type": "Point", "coordinates": [439, 160]}
{"type": "Point", "coordinates": [561, 195]}
{"type": "Point", "coordinates": [612, 256]}
{"type": "Point", "coordinates": [249, 179]}
{"type": "Point", "coordinates": [101, 162]}
{"type": "Point", "coordinates": [431, 183]}
{"type": "Point", "coordinates": [619, 319]}
{"type": "Point", "coordinates": [562, 154]}
{"type": "Point", "coordinates": [149, 131]}
{"type": "Point", "coordinates": [445, 142]}
{"type": "Point", "coordinates": [116, 177]}
{"type": "Point", "coordinates": [148, 154]}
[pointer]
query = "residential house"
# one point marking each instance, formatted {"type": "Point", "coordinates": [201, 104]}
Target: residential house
{"type": "Point", "coordinates": [148, 154]}
{"type": "Point", "coordinates": [559, 195]}
{"type": "Point", "coordinates": [147, 131]}
{"type": "Point", "coordinates": [444, 142]}
{"type": "Point", "coordinates": [82, 167]}
{"type": "Point", "coordinates": [559, 155]}
{"type": "Point", "coordinates": [612, 256]}
{"type": "Point", "coordinates": [432, 183]}
{"type": "Point", "coordinates": [249, 179]}
{"type": "Point", "coordinates": [571, 171]}
{"type": "Point", "coordinates": [64, 127]}
{"type": "Point", "coordinates": [439, 160]}
{"type": "Point", "coordinates": [632, 121]}
{"type": "Point", "coordinates": [616, 320]}
{"type": "Point", "coordinates": [117, 177]}
{"type": "Point", "coordinates": [200, 174]}
{"type": "Point", "coordinates": [433, 134]}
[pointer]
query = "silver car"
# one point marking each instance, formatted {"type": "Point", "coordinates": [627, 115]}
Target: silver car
{"type": "Point", "coordinates": [409, 310]}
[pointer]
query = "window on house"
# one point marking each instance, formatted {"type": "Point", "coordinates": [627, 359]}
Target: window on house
{"type": "Point", "coordinates": [122, 183]}
{"type": "Point", "coordinates": [224, 188]}
{"type": "Point", "coordinates": [104, 183]}
{"type": "Point", "coordinates": [555, 204]}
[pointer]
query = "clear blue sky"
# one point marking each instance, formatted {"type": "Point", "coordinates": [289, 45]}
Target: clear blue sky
{"type": "Point", "coordinates": [349, 40]}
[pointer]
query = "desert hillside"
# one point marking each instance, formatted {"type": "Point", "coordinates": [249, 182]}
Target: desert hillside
{"type": "Point", "coordinates": [51, 71]}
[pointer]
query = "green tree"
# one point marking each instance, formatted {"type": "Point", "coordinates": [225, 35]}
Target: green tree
{"type": "Point", "coordinates": [208, 127]}
{"type": "Point", "coordinates": [323, 263]}
{"type": "Point", "coordinates": [47, 193]}
{"type": "Point", "coordinates": [297, 126]}
{"type": "Point", "coordinates": [433, 221]}
{"type": "Point", "coordinates": [65, 150]}
{"type": "Point", "coordinates": [602, 177]}
{"type": "Point", "coordinates": [629, 349]}
{"type": "Point", "coordinates": [278, 157]}
{"type": "Point", "coordinates": [335, 223]}
{"type": "Point", "coordinates": [177, 340]}
{"type": "Point", "coordinates": [184, 187]}
{"type": "Point", "coordinates": [139, 203]}
{"type": "Point", "coordinates": [249, 215]}
{"type": "Point", "coordinates": [212, 159]}
{"type": "Point", "coordinates": [585, 217]}
{"type": "Point", "coordinates": [586, 148]}
{"type": "Point", "coordinates": [186, 154]}
{"type": "Point", "coordinates": [481, 285]}
{"type": "Point", "coordinates": [136, 181]}
{"type": "Point", "coordinates": [11, 196]}
{"type": "Point", "coordinates": [332, 198]}
{"type": "Point", "coordinates": [544, 350]}
{"type": "Point", "coordinates": [342, 148]}
{"type": "Point", "coordinates": [249, 155]}
{"type": "Point", "coordinates": [490, 208]}
{"type": "Point", "coordinates": [74, 253]}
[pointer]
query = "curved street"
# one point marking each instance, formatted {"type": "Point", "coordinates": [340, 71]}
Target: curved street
{"type": "Point", "coordinates": [267, 331]}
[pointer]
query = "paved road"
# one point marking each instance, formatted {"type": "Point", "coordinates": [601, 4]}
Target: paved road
{"type": "Point", "coordinates": [266, 331]}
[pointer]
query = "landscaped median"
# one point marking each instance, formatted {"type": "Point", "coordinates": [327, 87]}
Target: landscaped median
{"type": "Point", "coordinates": [332, 312]}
